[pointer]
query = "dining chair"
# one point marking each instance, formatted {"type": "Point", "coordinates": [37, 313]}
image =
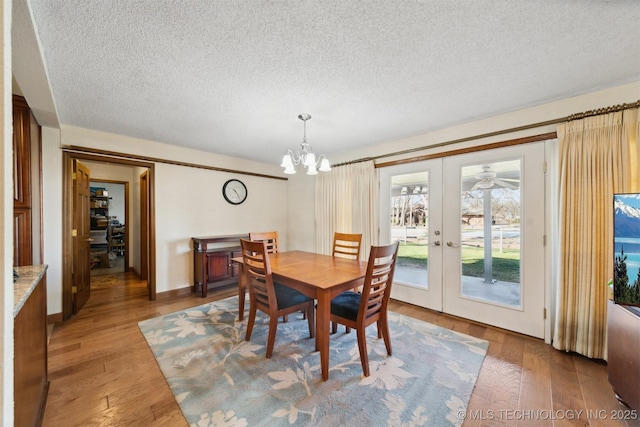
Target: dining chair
{"type": "Point", "coordinates": [269, 237]}
{"type": "Point", "coordinates": [346, 245]}
{"type": "Point", "coordinates": [359, 310]}
{"type": "Point", "coordinates": [269, 297]}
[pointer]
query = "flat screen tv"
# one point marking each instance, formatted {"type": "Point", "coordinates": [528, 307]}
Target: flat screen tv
{"type": "Point", "coordinates": [626, 243]}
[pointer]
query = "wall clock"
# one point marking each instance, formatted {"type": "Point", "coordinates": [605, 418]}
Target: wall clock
{"type": "Point", "coordinates": [234, 191]}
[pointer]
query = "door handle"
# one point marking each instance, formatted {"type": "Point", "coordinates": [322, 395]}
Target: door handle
{"type": "Point", "coordinates": [452, 245]}
{"type": "Point", "coordinates": [89, 240]}
{"type": "Point", "coordinates": [436, 243]}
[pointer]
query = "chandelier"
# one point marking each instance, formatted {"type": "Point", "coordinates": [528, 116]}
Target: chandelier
{"type": "Point", "coordinates": [305, 157]}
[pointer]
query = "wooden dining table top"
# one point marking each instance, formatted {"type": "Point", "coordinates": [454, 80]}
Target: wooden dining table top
{"type": "Point", "coordinates": [316, 270]}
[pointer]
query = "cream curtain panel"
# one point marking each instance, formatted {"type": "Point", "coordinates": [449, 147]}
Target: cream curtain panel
{"type": "Point", "coordinates": [347, 202]}
{"type": "Point", "coordinates": [598, 156]}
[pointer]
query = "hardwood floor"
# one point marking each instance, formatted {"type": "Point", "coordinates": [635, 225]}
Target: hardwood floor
{"type": "Point", "coordinates": [102, 372]}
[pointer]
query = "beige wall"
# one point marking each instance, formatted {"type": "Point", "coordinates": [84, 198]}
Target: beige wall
{"type": "Point", "coordinates": [189, 202]}
{"type": "Point", "coordinates": [52, 216]}
{"type": "Point", "coordinates": [6, 227]}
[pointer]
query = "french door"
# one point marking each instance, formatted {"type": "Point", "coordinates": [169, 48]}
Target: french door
{"type": "Point", "coordinates": [471, 231]}
{"type": "Point", "coordinates": [411, 212]}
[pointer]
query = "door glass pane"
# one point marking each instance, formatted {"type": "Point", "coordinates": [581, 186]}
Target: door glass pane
{"type": "Point", "coordinates": [409, 225]}
{"type": "Point", "coordinates": [490, 232]}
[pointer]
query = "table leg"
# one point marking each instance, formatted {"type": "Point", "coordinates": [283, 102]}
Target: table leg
{"type": "Point", "coordinates": [323, 314]}
{"type": "Point", "coordinates": [242, 290]}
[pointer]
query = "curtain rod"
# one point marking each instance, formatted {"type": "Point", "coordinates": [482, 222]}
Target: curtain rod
{"type": "Point", "coordinates": [577, 116]}
{"type": "Point", "coordinates": [607, 110]}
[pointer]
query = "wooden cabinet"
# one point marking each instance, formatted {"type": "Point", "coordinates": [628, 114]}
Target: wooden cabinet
{"type": "Point", "coordinates": [21, 153]}
{"type": "Point", "coordinates": [22, 229]}
{"type": "Point", "coordinates": [212, 266]}
{"type": "Point", "coordinates": [623, 361]}
{"type": "Point", "coordinates": [30, 382]}
{"type": "Point", "coordinates": [22, 244]}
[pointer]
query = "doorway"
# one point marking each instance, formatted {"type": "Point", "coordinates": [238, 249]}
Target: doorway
{"type": "Point", "coordinates": [471, 229]}
{"type": "Point", "coordinates": [109, 215]}
{"type": "Point", "coordinates": [136, 167]}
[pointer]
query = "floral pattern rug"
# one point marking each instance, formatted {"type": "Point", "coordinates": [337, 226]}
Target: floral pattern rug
{"type": "Point", "coordinates": [219, 379]}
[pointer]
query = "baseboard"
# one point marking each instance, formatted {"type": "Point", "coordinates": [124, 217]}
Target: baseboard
{"type": "Point", "coordinates": [54, 318]}
{"type": "Point", "coordinates": [174, 293]}
{"type": "Point", "coordinates": [189, 290]}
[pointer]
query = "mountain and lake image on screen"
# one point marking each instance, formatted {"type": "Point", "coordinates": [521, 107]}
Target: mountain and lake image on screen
{"type": "Point", "coordinates": [626, 242]}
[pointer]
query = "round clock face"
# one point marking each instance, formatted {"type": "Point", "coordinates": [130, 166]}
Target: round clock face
{"type": "Point", "coordinates": [234, 191]}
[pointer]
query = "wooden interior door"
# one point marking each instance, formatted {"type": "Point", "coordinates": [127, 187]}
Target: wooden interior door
{"type": "Point", "coordinates": [81, 278]}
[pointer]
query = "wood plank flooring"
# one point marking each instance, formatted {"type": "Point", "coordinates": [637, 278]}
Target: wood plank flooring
{"type": "Point", "coordinates": [103, 373]}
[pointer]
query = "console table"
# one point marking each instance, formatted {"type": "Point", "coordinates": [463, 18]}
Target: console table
{"type": "Point", "coordinates": [212, 266]}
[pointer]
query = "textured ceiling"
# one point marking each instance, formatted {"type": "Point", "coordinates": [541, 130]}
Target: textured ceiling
{"type": "Point", "coordinates": [231, 77]}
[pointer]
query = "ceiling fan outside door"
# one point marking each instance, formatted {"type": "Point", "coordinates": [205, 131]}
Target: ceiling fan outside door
{"type": "Point", "coordinates": [487, 179]}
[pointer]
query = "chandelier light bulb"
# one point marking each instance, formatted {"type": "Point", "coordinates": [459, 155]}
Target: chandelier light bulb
{"type": "Point", "coordinates": [325, 166]}
{"type": "Point", "coordinates": [286, 161]}
{"type": "Point", "coordinates": [310, 160]}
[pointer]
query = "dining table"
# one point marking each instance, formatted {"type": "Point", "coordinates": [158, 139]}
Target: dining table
{"type": "Point", "coordinates": [317, 276]}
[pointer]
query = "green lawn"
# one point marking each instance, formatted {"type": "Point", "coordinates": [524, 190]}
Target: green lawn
{"type": "Point", "coordinates": [506, 265]}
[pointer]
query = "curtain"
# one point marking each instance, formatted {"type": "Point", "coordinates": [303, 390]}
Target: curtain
{"type": "Point", "coordinates": [347, 202]}
{"type": "Point", "coordinates": [598, 156]}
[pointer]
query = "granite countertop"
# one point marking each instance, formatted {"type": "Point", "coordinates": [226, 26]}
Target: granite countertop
{"type": "Point", "coordinates": [23, 287]}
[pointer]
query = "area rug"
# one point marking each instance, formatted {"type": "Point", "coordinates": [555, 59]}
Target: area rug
{"type": "Point", "coordinates": [219, 379]}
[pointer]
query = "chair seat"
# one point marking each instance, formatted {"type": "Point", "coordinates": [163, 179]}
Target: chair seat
{"type": "Point", "coordinates": [346, 305]}
{"type": "Point", "coordinates": [288, 297]}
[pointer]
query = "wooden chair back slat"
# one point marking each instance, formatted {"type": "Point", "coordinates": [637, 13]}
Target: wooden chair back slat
{"type": "Point", "coordinates": [347, 245]}
{"type": "Point", "coordinates": [269, 237]}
